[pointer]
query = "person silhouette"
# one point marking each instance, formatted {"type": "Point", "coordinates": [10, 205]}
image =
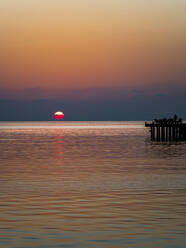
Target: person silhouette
{"type": "Point", "coordinates": [175, 117]}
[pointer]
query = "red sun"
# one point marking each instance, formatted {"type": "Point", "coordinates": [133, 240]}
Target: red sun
{"type": "Point", "coordinates": [58, 115]}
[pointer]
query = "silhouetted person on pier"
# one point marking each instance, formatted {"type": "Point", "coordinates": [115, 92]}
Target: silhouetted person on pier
{"type": "Point", "coordinates": [175, 117]}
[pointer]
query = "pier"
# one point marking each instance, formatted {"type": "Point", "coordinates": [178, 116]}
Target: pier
{"type": "Point", "coordinates": [167, 129]}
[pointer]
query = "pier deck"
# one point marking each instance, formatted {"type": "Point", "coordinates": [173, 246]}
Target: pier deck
{"type": "Point", "coordinates": [164, 131]}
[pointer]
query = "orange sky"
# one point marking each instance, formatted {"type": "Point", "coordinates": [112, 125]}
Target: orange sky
{"type": "Point", "coordinates": [80, 44]}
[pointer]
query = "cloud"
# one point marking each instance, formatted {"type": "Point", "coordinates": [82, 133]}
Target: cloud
{"type": "Point", "coordinates": [94, 103]}
{"type": "Point", "coordinates": [140, 107]}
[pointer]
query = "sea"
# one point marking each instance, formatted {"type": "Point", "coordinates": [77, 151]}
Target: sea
{"type": "Point", "coordinates": [90, 184]}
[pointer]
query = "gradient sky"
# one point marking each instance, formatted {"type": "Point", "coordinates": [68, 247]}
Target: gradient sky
{"type": "Point", "coordinates": [49, 47]}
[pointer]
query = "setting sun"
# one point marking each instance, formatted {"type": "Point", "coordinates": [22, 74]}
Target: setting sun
{"type": "Point", "coordinates": [58, 115]}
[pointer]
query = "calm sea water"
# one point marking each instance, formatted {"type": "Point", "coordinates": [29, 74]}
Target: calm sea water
{"type": "Point", "coordinates": [90, 184]}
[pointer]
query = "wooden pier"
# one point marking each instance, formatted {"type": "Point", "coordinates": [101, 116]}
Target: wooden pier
{"type": "Point", "coordinates": [167, 130]}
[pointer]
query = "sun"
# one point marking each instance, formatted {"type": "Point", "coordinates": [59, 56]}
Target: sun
{"type": "Point", "coordinates": [58, 115]}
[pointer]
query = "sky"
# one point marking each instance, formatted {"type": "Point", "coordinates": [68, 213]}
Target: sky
{"type": "Point", "coordinates": [94, 53]}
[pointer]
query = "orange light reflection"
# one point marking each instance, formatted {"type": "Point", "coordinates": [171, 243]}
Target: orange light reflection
{"type": "Point", "coordinates": [59, 142]}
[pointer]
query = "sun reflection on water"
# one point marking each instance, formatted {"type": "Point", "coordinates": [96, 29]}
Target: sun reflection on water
{"type": "Point", "coordinates": [59, 144]}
